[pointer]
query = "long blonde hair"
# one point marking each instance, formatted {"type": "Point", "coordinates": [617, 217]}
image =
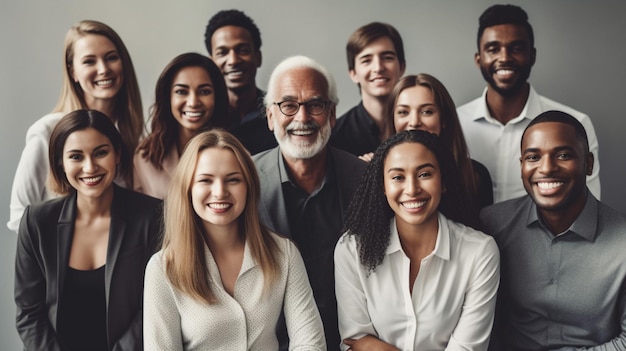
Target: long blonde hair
{"type": "Point", "coordinates": [128, 112]}
{"type": "Point", "coordinates": [184, 243]}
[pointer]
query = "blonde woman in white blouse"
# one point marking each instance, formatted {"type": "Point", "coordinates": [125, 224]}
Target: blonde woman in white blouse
{"type": "Point", "coordinates": [222, 279]}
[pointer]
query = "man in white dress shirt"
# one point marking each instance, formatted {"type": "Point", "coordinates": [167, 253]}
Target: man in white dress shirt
{"type": "Point", "coordinates": [493, 123]}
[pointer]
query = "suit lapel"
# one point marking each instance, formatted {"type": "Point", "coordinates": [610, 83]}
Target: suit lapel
{"type": "Point", "coordinates": [116, 236]}
{"type": "Point", "coordinates": [65, 234]}
{"type": "Point", "coordinates": [272, 194]}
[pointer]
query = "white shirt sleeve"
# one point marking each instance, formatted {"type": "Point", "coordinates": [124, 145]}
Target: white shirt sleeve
{"type": "Point", "coordinates": [473, 329]}
{"type": "Point", "coordinates": [354, 319]}
{"type": "Point", "coordinates": [29, 183]}
{"type": "Point", "coordinates": [161, 319]}
{"type": "Point", "coordinates": [304, 324]}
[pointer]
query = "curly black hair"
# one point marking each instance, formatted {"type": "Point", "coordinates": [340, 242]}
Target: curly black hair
{"type": "Point", "coordinates": [369, 214]}
{"type": "Point", "coordinates": [231, 18]}
{"type": "Point", "coordinates": [504, 14]}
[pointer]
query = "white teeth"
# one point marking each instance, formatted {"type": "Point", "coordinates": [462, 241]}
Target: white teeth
{"type": "Point", "coordinates": [92, 179]}
{"type": "Point", "coordinates": [301, 132]}
{"type": "Point", "coordinates": [380, 80]}
{"type": "Point", "coordinates": [549, 185]}
{"type": "Point", "coordinates": [193, 114]}
{"type": "Point", "coordinates": [504, 72]}
{"type": "Point", "coordinates": [414, 204]}
{"type": "Point", "coordinates": [104, 82]}
{"type": "Point", "coordinates": [235, 73]}
{"type": "Point", "coordinates": [220, 206]}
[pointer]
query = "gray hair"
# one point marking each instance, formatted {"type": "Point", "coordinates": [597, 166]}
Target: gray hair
{"type": "Point", "coordinates": [295, 62]}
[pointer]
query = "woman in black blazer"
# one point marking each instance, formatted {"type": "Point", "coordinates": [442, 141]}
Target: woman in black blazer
{"type": "Point", "coordinates": [81, 258]}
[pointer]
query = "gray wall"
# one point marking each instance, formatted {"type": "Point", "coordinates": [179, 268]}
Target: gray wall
{"type": "Point", "coordinates": [580, 55]}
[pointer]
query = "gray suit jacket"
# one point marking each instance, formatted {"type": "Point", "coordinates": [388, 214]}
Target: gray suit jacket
{"type": "Point", "coordinates": [43, 248]}
{"type": "Point", "coordinates": [348, 171]}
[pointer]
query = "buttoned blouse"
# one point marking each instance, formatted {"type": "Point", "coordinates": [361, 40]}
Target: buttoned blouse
{"type": "Point", "coordinates": [453, 300]}
{"type": "Point", "coordinates": [497, 146]}
{"type": "Point", "coordinates": [245, 321]}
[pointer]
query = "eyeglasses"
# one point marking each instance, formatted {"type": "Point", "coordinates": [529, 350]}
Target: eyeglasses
{"type": "Point", "coordinates": [313, 107]}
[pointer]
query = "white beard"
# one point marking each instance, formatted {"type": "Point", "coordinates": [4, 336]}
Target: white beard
{"type": "Point", "coordinates": [302, 150]}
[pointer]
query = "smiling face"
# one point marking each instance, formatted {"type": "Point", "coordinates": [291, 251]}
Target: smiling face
{"type": "Point", "coordinates": [218, 189]}
{"type": "Point", "coordinates": [234, 53]}
{"type": "Point", "coordinates": [90, 163]}
{"type": "Point", "coordinates": [97, 67]}
{"type": "Point", "coordinates": [192, 99]}
{"type": "Point", "coordinates": [413, 187]}
{"type": "Point", "coordinates": [303, 135]}
{"type": "Point", "coordinates": [377, 68]}
{"type": "Point", "coordinates": [554, 167]}
{"type": "Point", "coordinates": [415, 108]}
{"type": "Point", "coordinates": [505, 58]}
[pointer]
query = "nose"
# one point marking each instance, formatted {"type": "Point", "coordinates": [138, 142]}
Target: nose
{"type": "Point", "coordinates": [547, 165]}
{"type": "Point", "coordinates": [505, 54]}
{"type": "Point", "coordinates": [377, 64]}
{"type": "Point", "coordinates": [89, 166]}
{"type": "Point", "coordinates": [415, 122]}
{"type": "Point", "coordinates": [232, 58]}
{"type": "Point", "coordinates": [412, 186]}
{"type": "Point", "coordinates": [218, 189]}
{"type": "Point", "coordinates": [192, 99]}
{"type": "Point", "coordinates": [302, 115]}
{"type": "Point", "coordinates": [103, 67]}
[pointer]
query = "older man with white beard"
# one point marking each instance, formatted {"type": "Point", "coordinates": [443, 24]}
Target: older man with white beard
{"type": "Point", "coordinates": [306, 185]}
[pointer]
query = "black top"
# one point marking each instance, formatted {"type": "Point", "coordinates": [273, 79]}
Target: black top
{"type": "Point", "coordinates": [484, 189]}
{"type": "Point", "coordinates": [82, 320]}
{"type": "Point", "coordinates": [252, 131]}
{"type": "Point", "coordinates": [356, 132]}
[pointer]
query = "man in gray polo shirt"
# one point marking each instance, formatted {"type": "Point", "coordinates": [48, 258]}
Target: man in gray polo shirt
{"type": "Point", "coordinates": [563, 281]}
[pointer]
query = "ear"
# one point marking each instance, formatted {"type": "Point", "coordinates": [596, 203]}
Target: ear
{"type": "Point", "coordinates": [589, 164]}
{"type": "Point", "coordinates": [402, 69]}
{"type": "Point", "coordinates": [353, 76]}
{"type": "Point", "coordinates": [259, 59]}
{"type": "Point", "coordinates": [533, 56]}
{"type": "Point", "coordinates": [477, 59]}
{"type": "Point", "coordinates": [270, 118]}
{"type": "Point", "coordinates": [332, 117]}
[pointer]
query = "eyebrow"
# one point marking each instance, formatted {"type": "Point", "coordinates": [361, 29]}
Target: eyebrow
{"type": "Point", "coordinates": [212, 175]}
{"type": "Point", "coordinates": [388, 52]}
{"type": "Point", "coordinates": [187, 86]}
{"type": "Point", "coordinates": [105, 54]}
{"type": "Point", "coordinates": [556, 149]}
{"type": "Point", "coordinates": [425, 165]}
{"type": "Point", "coordinates": [420, 105]}
{"type": "Point", "coordinates": [94, 149]}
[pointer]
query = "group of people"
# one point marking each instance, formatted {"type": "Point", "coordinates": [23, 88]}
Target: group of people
{"type": "Point", "coordinates": [259, 220]}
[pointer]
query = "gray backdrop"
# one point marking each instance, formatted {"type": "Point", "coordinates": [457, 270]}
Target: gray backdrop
{"type": "Point", "coordinates": [580, 62]}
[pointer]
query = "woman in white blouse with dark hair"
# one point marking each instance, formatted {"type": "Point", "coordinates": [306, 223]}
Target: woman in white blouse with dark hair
{"type": "Point", "coordinates": [222, 279]}
{"type": "Point", "coordinates": [408, 274]}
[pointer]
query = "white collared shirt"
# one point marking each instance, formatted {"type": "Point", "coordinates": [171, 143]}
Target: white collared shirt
{"type": "Point", "coordinates": [497, 146]}
{"type": "Point", "coordinates": [453, 300]}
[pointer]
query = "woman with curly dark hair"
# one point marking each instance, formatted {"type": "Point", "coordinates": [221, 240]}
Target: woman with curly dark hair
{"type": "Point", "coordinates": [410, 273]}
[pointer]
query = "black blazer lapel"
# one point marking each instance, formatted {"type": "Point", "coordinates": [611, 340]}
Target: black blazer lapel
{"type": "Point", "coordinates": [65, 234]}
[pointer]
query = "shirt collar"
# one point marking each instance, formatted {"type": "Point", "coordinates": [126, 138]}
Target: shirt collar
{"type": "Point", "coordinates": [442, 246]}
{"type": "Point", "coordinates": [531, 109]}
{"type": "Point", "coordinates": [585, 225]}
{"type": "Point", "coordinates": [286, 178]}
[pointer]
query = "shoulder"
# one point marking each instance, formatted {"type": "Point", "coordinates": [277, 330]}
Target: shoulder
{"type": "Point", "coordinates": [346, 246]}
{"type": "Point", "coordinates": [136, 202]}
{"type": "Point", "coordinates": [470, 109]}
{"type": "Point", "coordinates": [505, 215]}
{"type": "Point", "coordinates": [47, 209]}
{"type": "Point", "coordinates": [344, 159]}
{"type": "Point", "coordinates": [610, 219]}
{"type": "Point", "coordinates": [266, 157]}
{"type": "Point", "coordinates": [348, 116]}
{"type": "Point", "coordinates": [45, 124]}
{"type": "Point", "coordinates": [470, 237]}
